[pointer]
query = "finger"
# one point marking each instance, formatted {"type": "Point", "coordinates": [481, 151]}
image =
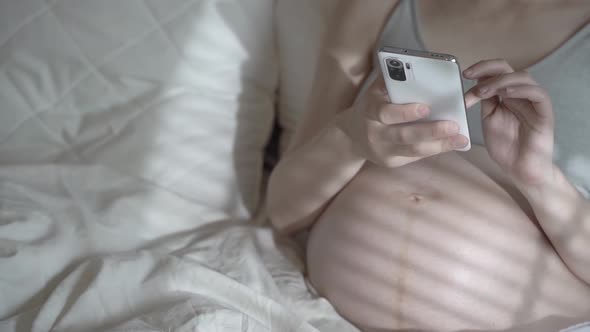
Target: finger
{"type": "Point", "coordinates": [490, 88]}
{"type": "Point", "coordinates": [487, 68]}
{"type": "Point", "coordinates": [431, 148]}
{"type": "Point", "coordinates": [389, 114]}
{"type": "Point", "coordinates": [471, 99]}
{"type": "Point", "coordinates": [420, 132]}
{"type": "Point", "coordinates": [538, 97]}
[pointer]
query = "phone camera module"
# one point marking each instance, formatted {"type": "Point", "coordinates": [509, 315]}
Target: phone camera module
{"type": "Point", "coordinates": [396, 69]}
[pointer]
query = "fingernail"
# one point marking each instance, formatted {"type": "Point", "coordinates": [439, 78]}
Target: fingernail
{"type": "Point", "coordinates": [508, 90]}
{"type": "Point", "coordinates": [468, 72]}
{"type": "Point", "coordinates": [423, 110]}
{"type": "Point", "coordinates": [483, 90]}
{"type": "Point", "coordinates": [460, 141]}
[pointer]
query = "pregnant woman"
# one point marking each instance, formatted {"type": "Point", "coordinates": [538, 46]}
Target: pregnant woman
{"type": "Point", "coordinates": [405, 233]}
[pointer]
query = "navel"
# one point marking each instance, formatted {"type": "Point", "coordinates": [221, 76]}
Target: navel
{"type": "Point", "coordinates": [416, 198]}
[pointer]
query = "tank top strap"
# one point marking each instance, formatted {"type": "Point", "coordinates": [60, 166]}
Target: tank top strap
{"type": "Point", "coordinates": [402, 27]}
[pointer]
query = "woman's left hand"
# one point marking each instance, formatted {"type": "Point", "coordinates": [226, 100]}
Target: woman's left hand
{"type": "Point", "coordinates": [517, 119]}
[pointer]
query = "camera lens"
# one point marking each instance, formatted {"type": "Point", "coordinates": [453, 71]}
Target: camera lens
{"type": "Point", "coordinates": [393, 63]}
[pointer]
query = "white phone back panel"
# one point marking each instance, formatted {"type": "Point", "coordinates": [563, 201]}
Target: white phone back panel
{"type": "Point", "coordinates": [436, 83]}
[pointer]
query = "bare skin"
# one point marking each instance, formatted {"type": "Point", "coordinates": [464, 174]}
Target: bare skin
{"type": "Point", "coordinates": [452, 241]}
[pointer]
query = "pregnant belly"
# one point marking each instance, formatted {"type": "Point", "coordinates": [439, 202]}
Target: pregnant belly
{"type": "Point", "coordinates": [437, 245]}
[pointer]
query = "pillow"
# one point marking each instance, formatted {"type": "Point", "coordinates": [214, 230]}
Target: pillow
{"type": "Point", "coordinates": [179, 93]}
{"type": "Point", "coordinates": [300, 30]}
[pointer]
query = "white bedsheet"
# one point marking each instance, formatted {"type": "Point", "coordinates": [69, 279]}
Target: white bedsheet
{"type": "Point", "coordinates": [82, 254]}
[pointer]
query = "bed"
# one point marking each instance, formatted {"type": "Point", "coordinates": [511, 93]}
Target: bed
{"type": "Point", "coordinates": [132, 143]}
{"type": "Point", "coordinates": [136, 138]}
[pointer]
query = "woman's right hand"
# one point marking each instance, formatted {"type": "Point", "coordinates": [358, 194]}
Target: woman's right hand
{"type": "Point", "coordinates": [386, 135]}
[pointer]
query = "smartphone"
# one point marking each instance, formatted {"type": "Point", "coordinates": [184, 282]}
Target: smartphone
{"type": "Point", "coordinates": [429, 78]}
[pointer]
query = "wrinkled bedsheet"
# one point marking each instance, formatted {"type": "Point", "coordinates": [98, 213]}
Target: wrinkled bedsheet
{"type": "Point", "coordinates": [78, 253]}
